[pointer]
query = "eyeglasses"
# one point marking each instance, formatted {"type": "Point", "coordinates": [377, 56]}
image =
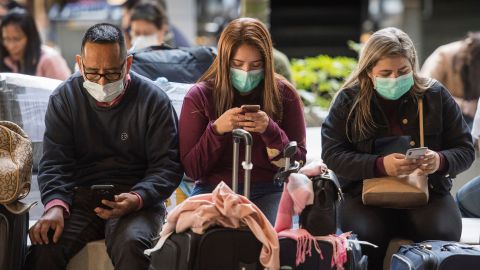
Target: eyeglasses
{"type": "Point", "coordinates": [95, 77]}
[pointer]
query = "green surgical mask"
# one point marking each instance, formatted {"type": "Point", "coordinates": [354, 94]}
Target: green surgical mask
{"type": "Point", "coordinates": [394, 88]}
{"type": "Point", "coordinates": [245, 81]}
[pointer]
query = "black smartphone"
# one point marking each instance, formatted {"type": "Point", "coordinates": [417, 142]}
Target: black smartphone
{"type": "Point", "coordinates": [103, 192]}
{"type": "Point", "coordinates": [250, 108]}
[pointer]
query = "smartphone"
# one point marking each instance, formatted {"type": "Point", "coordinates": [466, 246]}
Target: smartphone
{"type": "Point", "coordinates": [103, 192]}
{"type": "Point", "coordinates": [416, 153]}
{"type": "Point", "coordinates": [250, 108]}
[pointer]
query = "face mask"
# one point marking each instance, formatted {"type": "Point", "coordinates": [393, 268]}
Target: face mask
{"type": "Point", "coordinates": [245, 81]}
{"type": "Point", "coordinates": [141, 42]}
{"type": "Point", "coordinates": [394, 88]}
{"type": "Point", "coordinates": [104, 93]}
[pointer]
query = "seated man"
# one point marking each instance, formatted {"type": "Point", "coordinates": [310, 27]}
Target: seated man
{"type": "Point", "coordinates": [105, 125]}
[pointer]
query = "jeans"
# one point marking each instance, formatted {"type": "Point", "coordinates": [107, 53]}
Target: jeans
{"type": "Point", "coordinates": [126, 237]}
{"type": "Point", "coordinates": [266, 196]}
{"type": "Point", "coordinates": [468, 198]}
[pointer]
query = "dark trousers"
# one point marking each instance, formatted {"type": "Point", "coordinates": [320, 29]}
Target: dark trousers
{"type": "Point", "coordinates": [439, 220]}
{"type": "Point", "coordinates": [126, 237]}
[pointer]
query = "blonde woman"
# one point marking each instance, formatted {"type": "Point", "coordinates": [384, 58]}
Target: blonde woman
{"type": "Point", "coordinates": [242, 74]}
{"type": "Point", "coordinates": [371, 124]}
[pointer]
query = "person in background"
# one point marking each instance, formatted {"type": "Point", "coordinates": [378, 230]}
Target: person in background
{"type": "Point", "coordinates": [148, 25]}
{"type": "Point", "coordinates": [174, 37]}
{"type": "Point", "coordinates": [468, 196]}
{"type": "Point", "coordinates": [457, 66]}
{"type": "Point", "coordinates": [7, 5]}
{"type": "Point", "coordinates": [241, 74]}
{"type": "Point", "coordinates": [372, 123]}
{"type": "Point", "coordinates": [105, 126]}
{"type": "Point", "coordinates": [21, 50]}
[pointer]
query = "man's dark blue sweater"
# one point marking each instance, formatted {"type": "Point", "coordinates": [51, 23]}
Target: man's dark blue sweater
{"type": "Point", "coordinates": [133, 143]}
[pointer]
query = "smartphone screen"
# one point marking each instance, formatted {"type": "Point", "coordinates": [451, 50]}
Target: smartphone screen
{"type": "Point", "coordinates": [103, 192]}
{"type": "Point", "coordinates": [415, 153]}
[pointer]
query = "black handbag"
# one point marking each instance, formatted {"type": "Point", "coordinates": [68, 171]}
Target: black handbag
{"type": "Point", "coordinates": [320, 218]}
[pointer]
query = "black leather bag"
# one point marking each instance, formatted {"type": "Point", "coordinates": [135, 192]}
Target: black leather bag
{"type": "Point", "coordinates": [320, 218]}
{"type": "Point", "coordinates": [183, 65]}
{"type": "Point", "coordinates": [13, 239]}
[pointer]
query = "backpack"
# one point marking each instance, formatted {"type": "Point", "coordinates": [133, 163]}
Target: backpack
{"type": "Point", "coordinates": [182, 65]}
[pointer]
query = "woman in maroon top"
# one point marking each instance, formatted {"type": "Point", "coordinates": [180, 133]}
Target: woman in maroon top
{"type": "Point", "coordinates": [241, 74]}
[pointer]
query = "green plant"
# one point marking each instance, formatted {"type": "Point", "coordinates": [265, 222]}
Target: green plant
{"type": "Point", "coordinates": [322, 76]}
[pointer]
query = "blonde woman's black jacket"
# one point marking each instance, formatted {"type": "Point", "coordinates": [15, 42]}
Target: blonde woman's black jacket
{"type": "Point", "coordinates": [445, 132]}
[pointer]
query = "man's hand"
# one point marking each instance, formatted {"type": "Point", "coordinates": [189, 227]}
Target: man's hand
{"type": "Point", "coordinates": [124, 203]}
{"type": "Point", "coordinates": [396, 165]}
{"type": "Point", "coordinates": [52, 219]}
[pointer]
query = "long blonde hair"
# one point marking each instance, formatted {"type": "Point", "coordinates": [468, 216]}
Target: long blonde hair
{"type": "Point", "coordinates": [243, 31]}
{"type": "Point", "coordinates": [387, 42]}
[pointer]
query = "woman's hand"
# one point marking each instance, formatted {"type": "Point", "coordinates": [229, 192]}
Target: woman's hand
{"type": "Point", "coordinates": [255, 122]}
{"type": "Point", "coordinates": [228, 121]}
{"type": "Point", "coordinates": [396, 165]}
{"type": "Point", "coordinates": [429, 163]}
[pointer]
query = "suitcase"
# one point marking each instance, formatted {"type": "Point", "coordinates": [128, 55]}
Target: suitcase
{"type": "Point", "coordinates": [355, 259]}
{"type": "Point", "coordinates": [218, 248]}
{"type": "Point", "coordinates": [182, 65]}
{"type": "Point", "coordinates": [13, 239]}
{"type": "Point", "coordinates": [436, 255]}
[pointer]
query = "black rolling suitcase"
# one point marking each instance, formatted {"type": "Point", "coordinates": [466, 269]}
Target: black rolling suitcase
{"type": "Point", "coordinates": [218, 248]}
{"type": "Point", "coordinates": [13, 239]}
{"type": "Point", "coordinates": [436, 255]}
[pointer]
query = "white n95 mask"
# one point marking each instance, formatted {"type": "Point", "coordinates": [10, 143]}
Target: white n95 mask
{"type": "Point", "coordinates": [104, 93]}
{"type": "Point", "coordinates": [141, 42]}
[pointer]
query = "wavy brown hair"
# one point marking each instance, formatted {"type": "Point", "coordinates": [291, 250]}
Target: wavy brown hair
{"type": "Point", "coordinates": [243, 31]}
{"type": "Point", "coordinates": [387, 42]}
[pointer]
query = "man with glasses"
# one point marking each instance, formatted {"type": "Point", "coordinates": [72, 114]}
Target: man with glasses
{"type": "Point", "coordinates": [109, 127]}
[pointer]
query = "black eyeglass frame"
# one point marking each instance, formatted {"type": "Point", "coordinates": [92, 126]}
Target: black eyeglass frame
{"type": "Point", "coordinates": [111, 76]}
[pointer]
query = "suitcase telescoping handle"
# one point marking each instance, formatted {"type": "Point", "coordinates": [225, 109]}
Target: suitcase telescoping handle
{"type": "Point", "coordinates": [283, 173]}
{"type": "Point", "coordinates": [238, 135]}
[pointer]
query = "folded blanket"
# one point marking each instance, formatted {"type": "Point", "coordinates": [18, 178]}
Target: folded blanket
{"type": "Point", "coordinates": [225, 208]}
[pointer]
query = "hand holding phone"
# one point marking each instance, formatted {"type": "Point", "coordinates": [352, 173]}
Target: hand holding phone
{"type": "Point", "coordinates": [103, 192]}
{"type": "Point", "coordinates": [247, 108]}
{"type": "Point", "coordinates": [416, 153]}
